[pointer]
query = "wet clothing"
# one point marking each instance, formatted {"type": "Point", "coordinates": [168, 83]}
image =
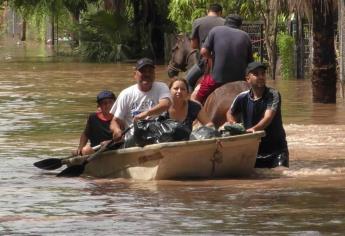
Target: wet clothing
{"type": "Point", "coordinates": [232, 51]}
{"type": "Point", "coordinates": [192, 114]}
{"type": "Point", "coordinates": [273, 160]}
{"type": "Point", "coordinates": [97, 130]}
{"type": "Point", "coordinates": [251, 111]}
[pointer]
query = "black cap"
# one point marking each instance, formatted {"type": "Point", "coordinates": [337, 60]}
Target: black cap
{"type": "Point", "coordinates": [233, 20]}
{"type": "Point", "coordinates": [105, 94]}
{"type": "Point", "coordinates": [144, 62]}
{"type": "Point", "coordinates": [254, 65]}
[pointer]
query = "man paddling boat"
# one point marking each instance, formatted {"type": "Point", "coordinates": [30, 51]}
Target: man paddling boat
{"type": "Point", "coordinates": [97, 129]}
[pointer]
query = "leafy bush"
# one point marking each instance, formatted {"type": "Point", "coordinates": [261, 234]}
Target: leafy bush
{"type": "Point", "coordinates": [286, 52]}
{"type": "Point", "coordinates": [103, 36]}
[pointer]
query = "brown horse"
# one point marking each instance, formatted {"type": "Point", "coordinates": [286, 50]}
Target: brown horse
{"type": "Point", "coordinates": [183, 57]}
{"type": "Point", "coordinates": [219, 101]}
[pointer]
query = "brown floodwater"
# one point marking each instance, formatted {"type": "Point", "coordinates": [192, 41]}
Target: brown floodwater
{"type": "Point", "coordinates": [44, 102]}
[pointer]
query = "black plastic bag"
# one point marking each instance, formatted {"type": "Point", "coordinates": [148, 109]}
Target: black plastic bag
{"type": "Point", "coordinates": [204, 132]}
{"type": "Point", "coordinates": [158, 131]}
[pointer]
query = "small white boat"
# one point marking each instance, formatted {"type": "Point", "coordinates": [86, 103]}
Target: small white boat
{"type": "Point", "coordinates": [219, 157]}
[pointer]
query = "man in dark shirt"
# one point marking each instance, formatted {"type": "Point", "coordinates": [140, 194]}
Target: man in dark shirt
{"type": "Point", "coordinates": [231, 50]}
{"type": "Point", "coordinates": [200, 29]}
{"type": "Point", "coordinates": [260, 109]}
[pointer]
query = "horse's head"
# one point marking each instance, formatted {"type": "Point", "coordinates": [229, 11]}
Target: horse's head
{"type": "Point", "coordinates": [183, 56]}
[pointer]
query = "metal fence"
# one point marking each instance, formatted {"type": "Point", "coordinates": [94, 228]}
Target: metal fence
{"type": "Point", "coordinates": [256, 34]}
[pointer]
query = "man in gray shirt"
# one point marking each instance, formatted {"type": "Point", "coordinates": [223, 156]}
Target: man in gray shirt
{"type": "Point", "coordinates": [200, 29]}
{"type": "Point", "coordinates": [231, 50]}
{"type": "Point", "coordinates": [202, 26]}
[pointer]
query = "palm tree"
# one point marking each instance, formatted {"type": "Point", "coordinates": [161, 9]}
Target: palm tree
{"type": "Point", "coordinates": [324, 77]}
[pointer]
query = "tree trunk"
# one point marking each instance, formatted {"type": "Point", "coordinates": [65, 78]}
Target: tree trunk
{"type": "Point", "coordinates": [23, 35]}
{"type": "Point", "coordinates": [52, 30]}
{"type": "Point", "coordinates": [137, 30]}
{"type": "Point", "coordinates": [75, 34]}
{"type": "Point", "coordinates": [341, 27]}
{"type": "Point", "coordinates": [299, 44]}
{"type": "Point", "coordinates": [270, 36]}
{"type": "Point", "coordinates": [108, 5]}
{"type": "Point", "coordinates": [114, 5]}
{"type": "Point", "coordinates": [324, 67]}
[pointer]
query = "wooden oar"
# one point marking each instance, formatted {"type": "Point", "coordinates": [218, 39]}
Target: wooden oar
{"type": "Point", "coordinates": [55, 163]}
{"type": "Point", "coordinates": [77, 170]}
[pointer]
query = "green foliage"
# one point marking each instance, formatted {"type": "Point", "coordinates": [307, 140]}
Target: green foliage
{"type": "Point", "coordinates": [286, 53]}
{"type": "Point", "coordinates": [184, 12]}
{"type": "Point", "coordinates": [140, 20]}
{"type": "Point", "coordinates": [256, 56]}
{"type": "Point", "coordinates": [102, 36]}
{"type": "Point", "coordinates": [38, 14]}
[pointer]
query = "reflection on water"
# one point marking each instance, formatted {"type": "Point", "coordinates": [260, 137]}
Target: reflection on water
{"type": "Point", "coordinates": [44, 103]}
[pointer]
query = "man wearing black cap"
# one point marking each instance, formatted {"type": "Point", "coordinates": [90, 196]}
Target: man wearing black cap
{"type": "Point", "coordinates": [230, 50]}
{"type": "Point", "coordinates": [97, 129]}
{"type": "Point", "coordinates": [260, 109]}
{"type": "Point", "coordinates": [146, 98]}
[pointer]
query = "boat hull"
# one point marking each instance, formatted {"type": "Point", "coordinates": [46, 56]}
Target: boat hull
{"type": "Point", "coordinates": [232, 156]}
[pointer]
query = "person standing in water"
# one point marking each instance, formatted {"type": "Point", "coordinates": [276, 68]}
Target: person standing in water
{"type": "Point", "coordinates": [260, 109]}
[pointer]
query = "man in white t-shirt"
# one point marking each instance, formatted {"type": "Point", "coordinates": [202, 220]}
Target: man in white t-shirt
{"type": "Point", "coordinates": [144, 99]}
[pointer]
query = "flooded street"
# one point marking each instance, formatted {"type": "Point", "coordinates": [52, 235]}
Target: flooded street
{"type": "Point", "coordinates": [44, 102]}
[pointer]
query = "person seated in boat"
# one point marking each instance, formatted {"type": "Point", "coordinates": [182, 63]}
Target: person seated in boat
{"type": "Point", "coordinates": [183, 109]}
{"type": "Point", "coordinates": [97, 128]}
{"type": "Point", "coordinates": [147, 98]}
{"type": "Point", "coordinates": [260, 109]}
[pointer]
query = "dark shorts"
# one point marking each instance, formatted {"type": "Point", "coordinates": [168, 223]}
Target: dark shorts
{"type": "Point", "coordinates": [273, 160]}
{"type": "Point", "coordinates": [207, 86]}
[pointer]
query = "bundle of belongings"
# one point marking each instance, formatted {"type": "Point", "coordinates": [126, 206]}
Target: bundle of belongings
{"type": "Point", "coordinates": [161, 130]}
{"type": "Point", "coordinates": [232, 129]}
{"type": "Point", "coordinates": [204, 132]}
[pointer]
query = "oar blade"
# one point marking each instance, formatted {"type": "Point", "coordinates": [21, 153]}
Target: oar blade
{"type": "Point", "coordinates": [72, 171]}
{"type": "Point", "coordinates": [49, 164]}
